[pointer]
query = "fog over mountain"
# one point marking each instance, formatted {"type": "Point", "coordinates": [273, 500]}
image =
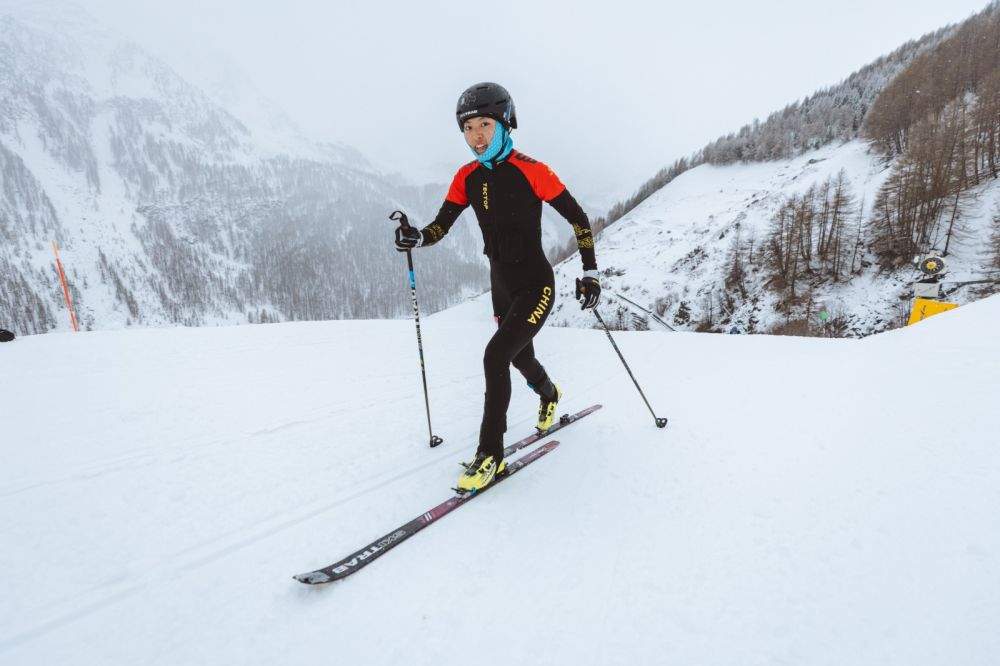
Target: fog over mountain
{"type": "Point", "coordinates": [172, 205]}
{"type": "Point", "coordinates": [607, 93]}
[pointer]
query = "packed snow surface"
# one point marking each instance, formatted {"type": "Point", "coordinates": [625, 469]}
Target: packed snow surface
{"type": "Point", "coordinates": [812, 501]}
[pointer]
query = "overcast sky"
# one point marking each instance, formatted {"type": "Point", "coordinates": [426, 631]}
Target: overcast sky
{"type": "Point", "coordinates": [606, 93]}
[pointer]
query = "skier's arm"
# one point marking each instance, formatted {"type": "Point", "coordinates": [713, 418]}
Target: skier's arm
{"type": "Point", "coordinates": [568, 207]}
{"type": "Point", "coordinates": [588, 288]}
{"type": "Point", "coordinates": [549, 188]}
{"type": "Point", "coordinates": [441, 225]}
{"type": "Point", "coordinates": [454, 203]}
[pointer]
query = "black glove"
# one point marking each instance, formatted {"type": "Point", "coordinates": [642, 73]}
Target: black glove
{"type": "Point", "coordinates": [588, 290]}
{"type": "Point", "coordinates": [408, 238]}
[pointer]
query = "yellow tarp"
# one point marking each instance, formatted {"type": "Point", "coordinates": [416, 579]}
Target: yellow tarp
{"type": "Point", "coordinates": [925, 307]}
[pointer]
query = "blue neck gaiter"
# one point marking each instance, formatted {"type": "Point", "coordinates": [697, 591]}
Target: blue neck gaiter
{"type": "Point", "coordinates": [499, 148]}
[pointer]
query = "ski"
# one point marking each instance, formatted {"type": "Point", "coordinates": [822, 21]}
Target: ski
{"type": "Point", "coordinates": [355, 561]}
{"type": "Point", "coordinates": [564, 420]}
{"type": "Point", "coordinates": [377, 548]}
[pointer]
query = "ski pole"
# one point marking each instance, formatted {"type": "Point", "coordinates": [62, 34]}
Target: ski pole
{"type": "Point", "coordinates": [661, 422]}
{"type": "Point", "coordinates": [400, 216]}
{"type": "Point", "coordinates": [649, 312]}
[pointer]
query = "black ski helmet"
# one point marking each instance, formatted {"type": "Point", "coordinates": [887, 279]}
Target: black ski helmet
{"type": "Point", "coordinates": [486, 99]}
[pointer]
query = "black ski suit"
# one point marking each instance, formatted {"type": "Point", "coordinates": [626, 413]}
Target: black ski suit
{"type": "Point", "coordinates": [508, 204]}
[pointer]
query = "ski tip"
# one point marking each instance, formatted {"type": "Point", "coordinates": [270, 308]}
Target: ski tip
{"type": "Point", "coordinates": [313, 578]}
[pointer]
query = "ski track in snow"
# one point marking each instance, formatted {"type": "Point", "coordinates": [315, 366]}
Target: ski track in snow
{"type": "Point", "coordinates": [797, 508]}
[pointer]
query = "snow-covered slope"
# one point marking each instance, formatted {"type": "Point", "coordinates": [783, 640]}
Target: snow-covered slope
{"type": "Point", "coordinates": [811, 502]}
{"type": "Point", "coordinates": [674, 247]}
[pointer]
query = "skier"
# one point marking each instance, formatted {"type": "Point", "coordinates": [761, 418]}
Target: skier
{"type": "Point", "coordinates": [506, 189]}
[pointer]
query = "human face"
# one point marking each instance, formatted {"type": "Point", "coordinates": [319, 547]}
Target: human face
{"type": "Point", "coordinates": [479, 132]}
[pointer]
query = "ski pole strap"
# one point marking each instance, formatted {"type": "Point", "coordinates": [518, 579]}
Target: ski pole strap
{"type": "Point", "coordinates": [400, 216]}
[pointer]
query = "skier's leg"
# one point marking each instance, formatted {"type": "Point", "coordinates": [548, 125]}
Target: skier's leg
{"type": "Point", "coordinates": [527, 313]}
{"type": "Point", "coordinates": [534, 373]}
{"type": "Point", "coordinates": [500, 298]}
{"type": "Point", "coordinates": [525, 360]}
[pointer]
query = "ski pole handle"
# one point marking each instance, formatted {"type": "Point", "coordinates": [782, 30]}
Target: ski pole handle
{"type": "Point", "coordinates": [404, 222]}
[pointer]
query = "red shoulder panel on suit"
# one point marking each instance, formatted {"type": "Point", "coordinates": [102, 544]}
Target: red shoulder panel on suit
{"type": "Point", "coordinates": [544, 181]}
{"type": "Point", "coordinates": [456, 193]}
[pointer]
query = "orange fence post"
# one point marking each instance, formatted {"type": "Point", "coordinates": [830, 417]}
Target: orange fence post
{"type": "Point", "coordinates": [66, 295]}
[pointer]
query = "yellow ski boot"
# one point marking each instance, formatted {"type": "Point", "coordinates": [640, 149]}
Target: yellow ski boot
{"type": "Point", "coordinates": [547, 411]}
{"type": "Point", "coordinates": [480, 473]}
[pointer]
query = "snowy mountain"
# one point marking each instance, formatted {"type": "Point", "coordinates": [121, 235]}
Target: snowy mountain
{"type": "Point", "coordinates": [152, 519]}
{"type": "Point", "coordinates": [171, 207]}
{"type": "Point", "coordinates": [673, 253]}
{"type": "Point", "coordinates": [808, 222]}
